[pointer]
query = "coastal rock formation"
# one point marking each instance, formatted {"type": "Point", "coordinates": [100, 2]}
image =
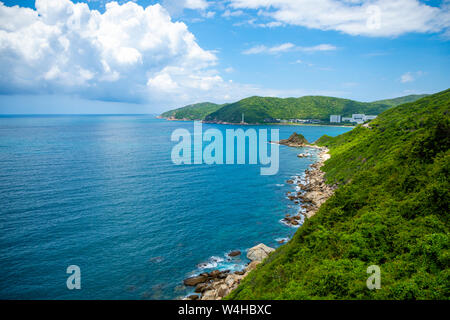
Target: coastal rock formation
{"type": "Point", "coordinates": [217, 284]}
{"type": "Point", "coordinates": [314, 191]}
{"type": "Point", "coordinates": [234, 253]}
{"type": "Point", "coordinates": [259, 252]}
{"type": "Point", "coordinates": [193, 281]}
{"type": "Point", "coordinates": [295, 140]}
{"type": "Point", "coordinates": [303, 155]}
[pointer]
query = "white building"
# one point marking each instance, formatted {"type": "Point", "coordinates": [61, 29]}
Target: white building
{"type": "Point", "coordinates": [335, 118]}
{"type": "Point", "coordinates": [358, 118]}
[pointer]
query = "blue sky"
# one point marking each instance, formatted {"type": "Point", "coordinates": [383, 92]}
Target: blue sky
{"type": "Point", "coordinates": [150, 56]}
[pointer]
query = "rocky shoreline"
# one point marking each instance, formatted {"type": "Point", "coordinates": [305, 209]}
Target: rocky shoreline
{"type": "Point", "coordinates": [217, 284]}
{"type": "Point", "coordinates": [310, 193]}
{"type": "Point", "coordinates": [312, 189]}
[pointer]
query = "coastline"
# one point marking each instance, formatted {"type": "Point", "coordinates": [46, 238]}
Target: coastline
{"type": "Point", "coordinates": [261, 124]}
{"type": "Point", "coordinates": [311, 193]}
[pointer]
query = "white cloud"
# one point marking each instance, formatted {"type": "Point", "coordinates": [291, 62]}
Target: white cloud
{"type": "Point", "coordinates": [227, 13]}
{"type": "Point", "coordinates": [127, 53]}
{"type": "Point", "coordinates": [410, 76]}
{"type": "Point", "coordinates": [195, 4]}
{"type": "Point", "coordinates": [378, 18]}
{"type": "Point", "coordinates": [285, 47]}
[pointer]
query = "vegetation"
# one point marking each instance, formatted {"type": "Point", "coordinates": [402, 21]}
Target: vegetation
{"type": "Point", "coordinates": [267, 109]}
{"type": "Point", "coordinates": [401, 100]}
{"type": "Point", "coordinates": [196, 111]}
{"type": "Point", "coordinates": [391, 209]}
{"type": "Point", "coordinates": [296, 139]}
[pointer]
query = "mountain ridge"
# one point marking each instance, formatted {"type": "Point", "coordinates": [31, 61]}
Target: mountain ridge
{"type": "Point", "coordinates": [260, 110]}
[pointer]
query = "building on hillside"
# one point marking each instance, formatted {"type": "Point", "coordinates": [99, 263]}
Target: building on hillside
{"type": "Point", "coordinates": [358, 118]}
{"type": "Point", "coordinates": [335, 118]}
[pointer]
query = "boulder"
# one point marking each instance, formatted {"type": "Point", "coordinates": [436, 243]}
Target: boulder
{"type": "Point", "coordinates": [193, 281]}
{"type": "Point", "coordinates": [259, 252]}
{"type": "Point", "coordinates": [240, 273]}
{"type": "Point", "coordinates": [234, 253]}
{"type": "Point", "coordinates": [209, 295]}
{"type": "Point", "coordinates": [223, 290]}
{"type": "Point", "coordinates": [229, 281]}
{"type": "Point", "coordinates": [215, 273]}
{"type": "Point", "coordinates": [193, 297]}
{"type": "Point", "coordinates": [252, 265]}
{"type": "Point", "coordinates": [202, 287]}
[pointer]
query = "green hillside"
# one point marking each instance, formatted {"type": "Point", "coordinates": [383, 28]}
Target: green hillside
{"type": "Point", "coordinates": [265, 109]}
{"type": "Point", "coordinates": [401, 100]}
{"type": "Point", "coordinates": [391, 209]}
{"type": "Point", "coordinates": [196, 111]}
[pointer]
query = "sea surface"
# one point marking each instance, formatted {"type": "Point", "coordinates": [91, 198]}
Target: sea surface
{"type": "Point", "coordinates": [102, 193]}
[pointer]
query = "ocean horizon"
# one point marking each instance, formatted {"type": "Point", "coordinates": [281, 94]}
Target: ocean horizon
{"type": "Point", "coordinates": [101, 192]}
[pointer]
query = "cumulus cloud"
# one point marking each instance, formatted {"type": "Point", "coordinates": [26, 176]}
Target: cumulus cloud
{"type": "Point", "coordinates": [378, 18]}
{"type": "Point", "coordinates": [127, 53]}
{"type": "Point", "coordinates": [285, 47]}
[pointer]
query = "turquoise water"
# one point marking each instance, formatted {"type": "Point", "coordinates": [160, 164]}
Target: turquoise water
{"type": "Point", "coordinates": [101, 192]}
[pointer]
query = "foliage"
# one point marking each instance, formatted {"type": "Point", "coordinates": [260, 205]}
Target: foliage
{"type": "Point", "coordinates": [265, 109]}
{"type": "Point", "coordinates": [196, 111]}
{"type": "Point", "coordinates": [401, 100]}
{"type": "Point", "coordinates": [391, 209]}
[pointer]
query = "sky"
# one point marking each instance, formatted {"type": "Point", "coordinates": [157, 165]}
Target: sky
{"type": "Point", "coordinates": [148, 56]}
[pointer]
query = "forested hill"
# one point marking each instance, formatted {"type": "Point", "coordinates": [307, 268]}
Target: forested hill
{"type": "Point", "coordinates": [391, 209]}
{"type": "Point", "coordinates": [401, 100]}
{"type": "Point", "coordinates": [196, 111]}
{"type": "Point", "coordinates": [263, 109]}
{"type": "Point", "coordinates": [266, 109]}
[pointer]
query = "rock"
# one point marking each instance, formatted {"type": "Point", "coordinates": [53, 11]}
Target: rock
{"type": "Point", "coordinates": [240, 273]}
{"type": "Point", "coordinates": [252, 265]}
{"type": "Point", "coordinates": [223, 290]}
{"type": "Point", "coordinates": [202, 287]}
{"type": "Point", "coordinates": [290, 181]}
{"type": "Point", "coordinates": [193, 281]}
{"type": "Point", "coordinates": [294, 222]}
{"type": "Point", "coordinates": [281, 241]}
{"type": "Point", "coordinates": [215, 273]}
{"type": "Point", "coordinates": [209, 295]}
{"type": "Point", "coordinates": [229, 281]}
{"type": "Point", "coordinates": [259, 252]}
{"type": "Point", "coordinates": [295, 140]}
{"type": "Point", "coordinates": [234, 253]}
{"type": "Point", "coordinates": [193, 297]}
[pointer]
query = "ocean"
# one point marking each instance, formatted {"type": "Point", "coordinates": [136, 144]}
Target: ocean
{"type": "Point", "coordinates": [101, 192]}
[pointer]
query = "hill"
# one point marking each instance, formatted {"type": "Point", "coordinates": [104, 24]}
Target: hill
{"type": "Point", "coordinates": [266, 109]}
{"type": "Point", "coordinates": [391, 209]}
{"type": "Point", "coordinates": [196, 111]}
{"type": "Point", "coordinates": [401, 100]}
